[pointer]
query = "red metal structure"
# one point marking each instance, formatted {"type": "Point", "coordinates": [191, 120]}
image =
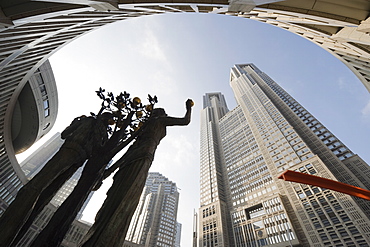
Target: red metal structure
{"type": "Point", "coordinates": [304, 178]}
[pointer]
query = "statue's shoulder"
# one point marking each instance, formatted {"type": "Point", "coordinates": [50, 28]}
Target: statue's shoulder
{"type": "Point", "coordinates": [87, 120]}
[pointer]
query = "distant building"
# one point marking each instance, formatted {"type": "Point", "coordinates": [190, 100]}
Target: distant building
{"type": "Point", "coordinates": [178, 235]}
{"type": "Point", "coordinates": [33, 112]}
{"type": "Point", "coordinates": [75, 234]}
{"type": "Point", "coordinates": [195, 229]}
{"type": "Point", "coordinates": [243, 152]}
{"type": "Point", "coordinates": [73, 237]}
{"type": "Point", "coordinates": [154, 221]}
{"type": "Point", "coordinates": [34, 162]}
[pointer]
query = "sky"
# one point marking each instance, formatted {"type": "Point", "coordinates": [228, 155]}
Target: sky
{"type": "Point", "coordinates": [181, 56]}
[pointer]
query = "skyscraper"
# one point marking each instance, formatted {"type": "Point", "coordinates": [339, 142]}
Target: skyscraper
{"type": "Point", "coordinates": [244, 151]}
{"type": "Point", "coordinates": [154, 221]}
{"type": "Point", "coordinates": [213, 196]}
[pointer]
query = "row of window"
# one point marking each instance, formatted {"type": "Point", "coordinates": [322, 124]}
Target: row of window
{"type": "Point", "coordinates": [209, 211]}
{"type": "Point", "coordinates": [44, 93]}
{"type": "Point", "coordinates": [324, 211]}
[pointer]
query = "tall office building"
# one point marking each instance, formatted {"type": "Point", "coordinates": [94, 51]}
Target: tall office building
{"type": "Point", "coordinates": [154, 221]}
{"type": "Point", "coordinates": [244, 151]}
{"type": "Point", "coordinates": [213, 196]}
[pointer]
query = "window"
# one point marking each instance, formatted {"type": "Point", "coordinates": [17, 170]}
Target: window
{"type": "Point", "coordinates": [46, 126]}
{"type": "Point", "coordinates": [43, 90]}
{"type": "Point", "coordinates": [39, 79]}
{"type": "Point", "coordinates": [46, 104]}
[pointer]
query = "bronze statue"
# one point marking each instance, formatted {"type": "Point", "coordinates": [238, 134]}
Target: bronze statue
{"type": "Point", "coordinates": [114, 217]}
{"type": "Point", "coordinates": [84, 135]}
{"type": "Point", "coordinates": [91, 139]}
{"type": "Point", "coordinates": [127, 128]}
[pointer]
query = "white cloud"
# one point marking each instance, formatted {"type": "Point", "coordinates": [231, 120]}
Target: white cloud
{"type": "Point", "coordinates": [366, 110]}
{"type": "Point", "coordinates": [149, 45]}
{"type": "Point", "coordinates": [162, 83]}
{"type": "Point", "coordinates": [176, 151]}
{"type": "Point", "coordinates": [342, 84]}
{"type": "Point", "coordinates": [346, 85]}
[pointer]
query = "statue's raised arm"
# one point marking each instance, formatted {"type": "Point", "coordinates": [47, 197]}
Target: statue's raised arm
{"type": "Point", "coordinates": [172, 121]}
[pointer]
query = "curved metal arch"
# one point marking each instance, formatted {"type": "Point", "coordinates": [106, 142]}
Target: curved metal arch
{"type": "Point", "coordinates": [344, 36]}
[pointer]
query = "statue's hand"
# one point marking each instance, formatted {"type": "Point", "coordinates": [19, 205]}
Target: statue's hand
{"type": "Point", "coordinates": [189, 104]}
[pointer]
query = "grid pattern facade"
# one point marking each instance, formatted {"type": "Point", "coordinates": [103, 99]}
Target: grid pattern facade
{"type": "Point", "coordinates": [255, 222]}
{"type": "Point", "coordinates": [211, 160]}
{"type": "Point", "coordinates": [323, 143]}
{"type": "Point", "coordinates": [291, 138]}
{"type": "Point", "coordinates": [154, 221]}
{"type": "Point", "coordinates": [270, 132]}
{"type": "Point", "coordinates": [214, 222]}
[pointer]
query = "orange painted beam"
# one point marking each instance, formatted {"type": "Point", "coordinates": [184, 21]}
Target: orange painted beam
{"type": "Point", "coordinates": [304, 178]}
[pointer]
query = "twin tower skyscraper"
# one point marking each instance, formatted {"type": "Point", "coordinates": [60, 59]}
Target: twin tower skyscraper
{"type": "Point", "coordinates": [242, 154]}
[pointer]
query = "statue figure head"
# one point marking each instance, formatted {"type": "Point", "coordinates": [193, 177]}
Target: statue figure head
{"type": "Point", "coordinates": [158, 112]}
{"type": "Point", "coordinates": [106, 117]}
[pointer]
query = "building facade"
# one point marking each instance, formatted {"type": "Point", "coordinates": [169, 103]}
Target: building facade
{"type": "Point", "coordinates": [154, 222]}
{"type": "Point", "coordinates": [267, 133]}
{"type": "Point", "coordinates": [73, 237]}
{"type": "Point", "coordinates": [33, 114]}
{"type": "Point", "coordinates": [213, 193]}
{"type": "Point", "coordinates": [178, 235]}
